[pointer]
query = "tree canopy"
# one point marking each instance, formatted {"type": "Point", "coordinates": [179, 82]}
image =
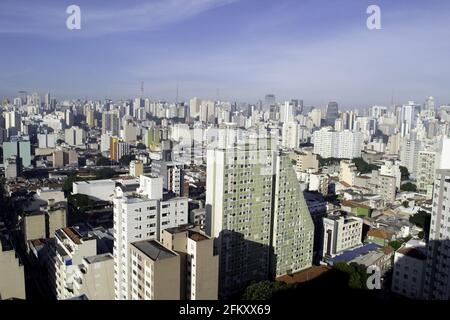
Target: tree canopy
{"type": "Point", "coordinates": [404, 172]}
{"type": "Point", "coordinates": [363, 166]}
{"type": "Point", "coordinates": [126, 159]}
{"type": "Point", "coordinates": [409, 186]}
{"type": "Point", "coordinates": [102, 161]}
{"type": "Point", "coordinates": [104, 173]}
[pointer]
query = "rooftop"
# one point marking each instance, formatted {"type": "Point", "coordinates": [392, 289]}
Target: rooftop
{"type": "Point", "coordinates": [305, 275]}
{"type": "Point", "coordinates": [154, 250]}
{"type": "Point", "coordinates": [180, 228]}
{"type": "Point", "coordinates": [99, 258]}
{"type": "Point", "coordinates": [412, 252]}
{"type": "Point", "coordinates": [352, 254]}
{"type": "Point", "coordinates": [197, 236]}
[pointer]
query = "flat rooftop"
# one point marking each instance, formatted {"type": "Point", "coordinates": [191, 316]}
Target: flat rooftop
{"type": "Point", "coordinates": [99, 258]}
{"type": "Point", "coordinates": [412, 252]}
{"type": "Point", "coordinates": [154, 250]}
{"type": "Point", "coordinates": [180, 228]}
{"type": "Point", "coordinates": [197, 236]}
{"type": "Point", "coordinates": [94, 182]}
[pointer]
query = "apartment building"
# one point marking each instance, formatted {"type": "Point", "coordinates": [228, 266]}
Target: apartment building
{"type": "Point", "coordinates": [332, 144]}
{"type": "Point", "coordinates": [142, 216]}
{"type": "Point", "coordinates": [409, 269]}
{"type": "Point", "coordinates": [199, 262]}
{"type": "Point", "coordinates": [12, 277]}
{"type": "Point", "coordinates": [341, 232]}
{"type": "Point", "coordinates": [154, 272]}
{"type": "Point", "coordinates": [252, 198]}
{"type": "Point", "coordinates": [437, 279]}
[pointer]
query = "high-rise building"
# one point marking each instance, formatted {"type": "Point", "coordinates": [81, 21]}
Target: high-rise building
{"type": "Point", "coordinates": [269, 101]}
{"type": "Point", "coordinates": [256, 210]}
{"type": "Point", "coordinates": [136, 168]}
{"type": "Point", "coordinates": [409, 154]}
{"type": "Point", "coordinates": [172, 174]}
{"type": "Point", "coordinates": [194, 107]}
{"type": "Point", "coordinates": [12, 279]}
{"type": "Point", "coordinates": [19, 147]}
{"type": "Point", "coordinates": [437, 279]}
{"type": "Point", "coordinates": [154, 272]}
{"type": "Point", "coordinates": [427, 164]}
{"type": "Point", "coordinates": [199, 263]}
{"type": "Point", "coordinates": [69, 118]}
{"type": "Point", "coordinates": [79, 269]}
{"type": "Point", "coordinates": [141, 216]}
{"type": "Point", "coordinates": [392, 168]}
{"type": "Point", "coordinates": [343, 145]}
{"type": "Point", "coordinates": [13, 123]}
{"type": "Point", "coordinates": [47, 101]}
{"type": "Point", "coordinates": [75, 136]}
{"type": "Point", "coordinates": [90, 117]}
{"type": "Point", "coordinates": [332, 113]}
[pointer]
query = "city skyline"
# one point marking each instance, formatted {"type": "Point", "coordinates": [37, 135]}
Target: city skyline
{"type": "Point", "coordinates": [237, 50]}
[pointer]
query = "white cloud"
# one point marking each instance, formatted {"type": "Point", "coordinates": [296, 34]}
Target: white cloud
{"type": "Point", "coordinates": [50, 20]}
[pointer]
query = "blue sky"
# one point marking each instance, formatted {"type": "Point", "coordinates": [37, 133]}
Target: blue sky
{"type": "Point", "coordinates": [314, 50]}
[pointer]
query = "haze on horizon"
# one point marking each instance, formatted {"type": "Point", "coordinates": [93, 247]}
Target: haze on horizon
{"type": "Point", "coordinates": [312, 50]}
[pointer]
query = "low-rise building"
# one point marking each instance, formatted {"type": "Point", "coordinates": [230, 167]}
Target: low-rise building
{"type": "Point", "coordinates": [341, 232]}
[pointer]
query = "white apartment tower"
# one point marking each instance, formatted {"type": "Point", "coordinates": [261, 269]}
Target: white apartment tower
{"type": "Point", "coordinates": [343, 145]}
{"type": "Point", "coordinates": [141, 216]}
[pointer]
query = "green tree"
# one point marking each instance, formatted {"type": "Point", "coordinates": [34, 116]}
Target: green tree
{"type": "Point", "coordinates": [259, 291]}
{"type": "Point", "coordinates": [126, 159]}
{"type": "Point", "coordinates": [396, 244]}
{"type": "Point", "coordinates": [141, 146]}
{"type": "Point", "coordinates": [68, 183]}
{"type": "Point", "coordinates": [102, 161]}
{"type": "Point", "coordinates": [404, 172]}
{"type": "Point", "coordinates": [104, 173]}
{"type": "Point", "coordinates": [266, 290]}
{"type": "Point", "coordinates": [363, 166]}
{"type": "Point", "coordinates": [411, 187]}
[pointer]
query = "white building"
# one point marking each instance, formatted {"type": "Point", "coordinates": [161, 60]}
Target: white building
{"type": "Point", "coordinates": [75, 136]}
{"type": "Point", "coordinates": [341, 233]}
{"type": "Point", "coordinates": [392, 168]}
{"type": "Point", "coordinates": [409, 154]}
{"type": "Point", "coordinates": [343, 145]}
{"type": "Point", "coordinates": [426, 168]}
{"type": "Point", "coordinates": [98, 189]}
{"type": "Point", "coordinates": [141, 216]}
{"type": "Point", "coordinates": [47, 140]}
{"type": "Point", "coordinates": [79, 270]}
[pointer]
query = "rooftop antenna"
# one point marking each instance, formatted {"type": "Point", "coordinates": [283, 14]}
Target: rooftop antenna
{"type": "Point", "coordinates": [142, 89]}
{"type": "Point", "coordinates": [218, 94]}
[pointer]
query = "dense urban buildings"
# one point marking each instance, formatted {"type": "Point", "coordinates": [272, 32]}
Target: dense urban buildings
{"type": "Point", "coordinates": [219, 150]}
